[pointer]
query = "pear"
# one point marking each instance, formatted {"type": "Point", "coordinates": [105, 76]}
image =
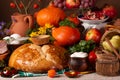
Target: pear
{"type": "Point", "coordinates": [115, 41]}
{"type": "Point", "coordinates": [106, 46]}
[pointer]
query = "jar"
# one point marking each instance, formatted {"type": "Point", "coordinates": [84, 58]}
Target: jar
{"type": "Point", "coordinates": [78, 61]}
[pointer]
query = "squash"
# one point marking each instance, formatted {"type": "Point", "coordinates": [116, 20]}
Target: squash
{"type": "Point", "coordinates": [51, 15]}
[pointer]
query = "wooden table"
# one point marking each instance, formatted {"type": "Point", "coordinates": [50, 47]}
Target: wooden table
{"type": "Point", "coordinates": [92, 76]}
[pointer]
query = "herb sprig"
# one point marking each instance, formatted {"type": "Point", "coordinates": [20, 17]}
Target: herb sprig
{"type": "Point", "coordinates": [82, 46]}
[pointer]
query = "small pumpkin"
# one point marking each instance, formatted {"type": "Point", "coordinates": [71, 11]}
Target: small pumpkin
{"type": "Point", "coordinates": [51, 15]}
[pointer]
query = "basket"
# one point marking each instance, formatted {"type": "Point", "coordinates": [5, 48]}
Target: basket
{"type": "Point", "coordinates": [108, 34]}
{"type": "Point", "coordinates": [107, 63]}
{"type": "Point", "coordinates": [111, 27]}
{"type": "Point", "coordinates": [107, 67]}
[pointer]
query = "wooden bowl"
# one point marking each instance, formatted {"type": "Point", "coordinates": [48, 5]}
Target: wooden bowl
{"type": "Point", "coordinates": [40, 40]}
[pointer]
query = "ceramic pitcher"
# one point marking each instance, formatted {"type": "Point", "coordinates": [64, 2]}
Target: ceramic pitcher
{"type": "Point", "coordinates": [21, 23]}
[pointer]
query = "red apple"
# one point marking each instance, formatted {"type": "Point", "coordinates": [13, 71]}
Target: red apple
{"type": "Point", "coordinates": [110, 11]}
{"type": "Point", "coordinates": [93, 34]}
{"type": "Point", "coordinates": [72, 3]}
{"type": "Point", "coordinates": [92, 57]}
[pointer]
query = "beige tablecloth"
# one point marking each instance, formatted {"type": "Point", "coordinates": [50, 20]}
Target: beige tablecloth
{"type": "Point", "coordinates": [92, 76]}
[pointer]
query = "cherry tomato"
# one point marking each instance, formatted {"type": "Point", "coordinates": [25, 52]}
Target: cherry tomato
{"type": "Point", "coordinates": [93, 34]}
{"type": "Point", "coordinates": [35, 6]}
{"type": "Point", "coordinates": [12, 5]}
{"type": "Point", "coordinates": [65, 35]}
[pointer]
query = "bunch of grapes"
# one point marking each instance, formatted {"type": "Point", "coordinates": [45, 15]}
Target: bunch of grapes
{"type": "Point", "coordinates": [83, 3]}
{"type": "Point", "coordinates": [60, 4]}
{"type": "Point", "coordinates": [87, 3]}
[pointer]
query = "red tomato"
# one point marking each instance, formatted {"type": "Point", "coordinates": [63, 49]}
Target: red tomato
{"type": "Point", "coordinates": [93, 34]}
{"type": "Point", "coordinates": [12, 5]}
{"type": "Point", "coordinates": [110, 11]}
{"type": "Point", "coordinates": [65, 35]}
{"type": "Point", "coordinates": [92, 57]}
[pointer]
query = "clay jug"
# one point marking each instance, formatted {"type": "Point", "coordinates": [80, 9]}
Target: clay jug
{"type": "Point", "coordinates": [21, 23]}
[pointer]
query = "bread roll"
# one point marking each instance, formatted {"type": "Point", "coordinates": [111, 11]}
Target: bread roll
{"type": "Point", "coordinates": [33, 58]}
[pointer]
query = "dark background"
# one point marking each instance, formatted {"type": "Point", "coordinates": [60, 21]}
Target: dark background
{"type": "Point", "coordinates": [6, 11]}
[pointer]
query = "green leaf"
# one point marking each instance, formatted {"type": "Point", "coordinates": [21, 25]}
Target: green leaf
{"type": "Point", "coordinates": [82, 43]}
{"type": "Point", "coordinates": [67, 22]}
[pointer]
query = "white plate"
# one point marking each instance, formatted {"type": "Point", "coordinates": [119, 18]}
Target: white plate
{"type": "Point", "coordinates": [93, 21]}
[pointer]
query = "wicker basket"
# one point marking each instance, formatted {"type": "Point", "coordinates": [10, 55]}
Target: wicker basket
{"type": "Point", "coordinates": [111, 27]}
{"type": "Point", "coordinates": [107, 63]}
{"type": "Point", "coordinates": [108, 34]}
{"type": "Point", "coordinates": [107, 67]}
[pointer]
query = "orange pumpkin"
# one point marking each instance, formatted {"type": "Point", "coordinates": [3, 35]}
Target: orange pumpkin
{"type": "Point", "coordinates": [51, 15]}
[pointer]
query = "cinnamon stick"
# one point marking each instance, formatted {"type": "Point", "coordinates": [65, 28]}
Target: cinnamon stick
{"type": "Point", "coordinates": [114, 50]}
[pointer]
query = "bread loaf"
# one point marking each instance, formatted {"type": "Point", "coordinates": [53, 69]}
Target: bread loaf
{"type": "Point", "coordinates": [33, 58]}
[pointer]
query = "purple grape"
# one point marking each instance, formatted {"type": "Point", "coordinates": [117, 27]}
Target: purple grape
{"type": "Point", "coordinates": [82, 2]}
{"type": "Point", "coordinates": [64, 2]}
{"type": "Point", "coordinates": [60, 5]}
{"type": "Point", "coordinates": [87, 3]}
{"type": "Point", "coordinates": [56, 4]}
